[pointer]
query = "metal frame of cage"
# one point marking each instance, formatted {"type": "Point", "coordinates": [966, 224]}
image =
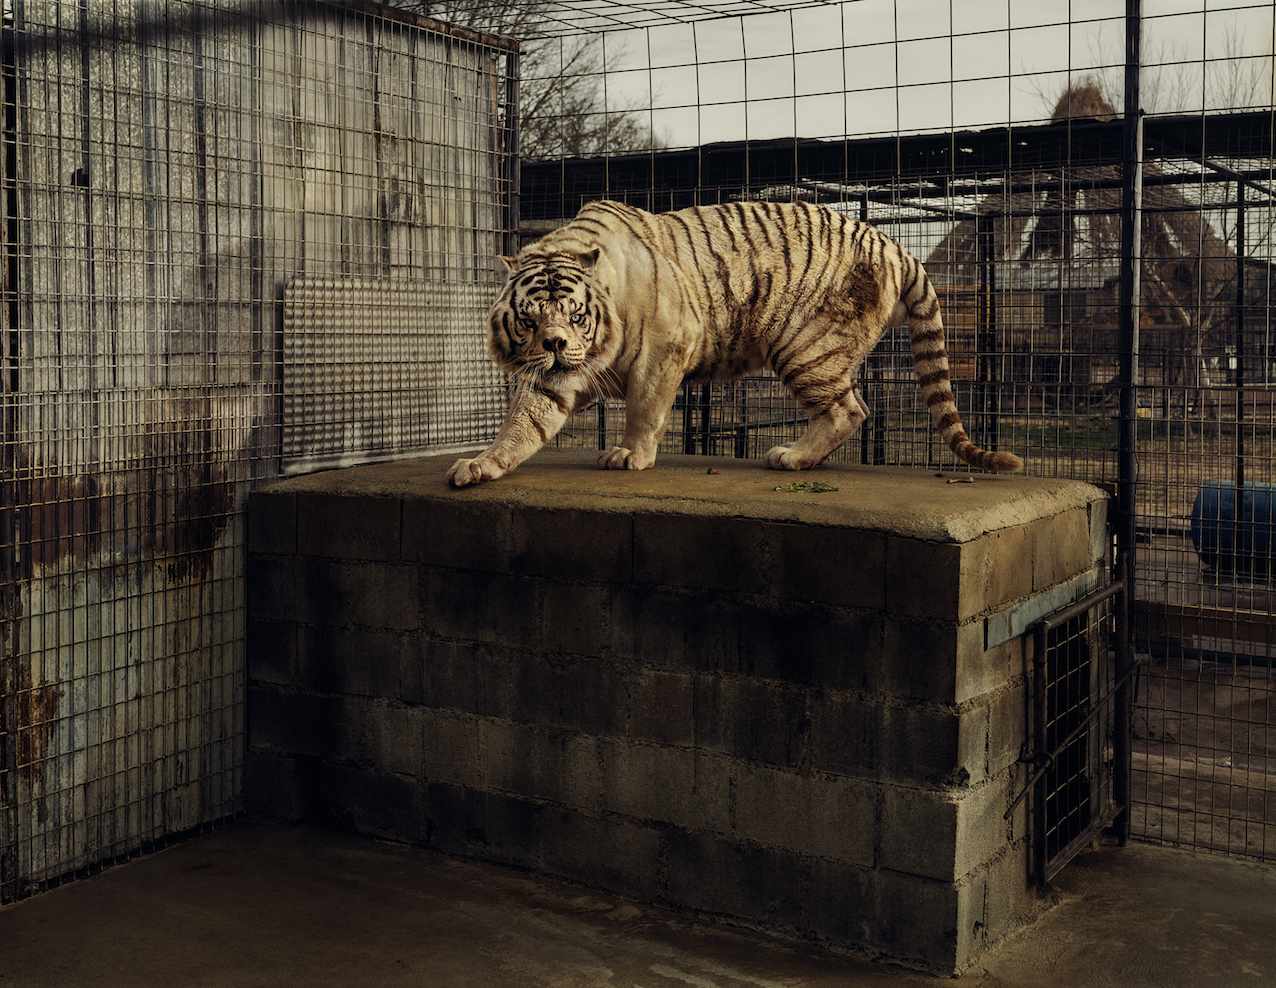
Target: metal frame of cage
{"type": "Point", "coordinates": [296, 354]}
{"type": "Point", "coordinates": [1172, 400]}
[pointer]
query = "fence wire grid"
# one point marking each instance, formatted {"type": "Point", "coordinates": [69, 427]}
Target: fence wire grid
{"type": "Point", "coordinates": [1002, 171]}
{"type": "Point", "coordinates": [243, 240]}
{"type": "Point", "coordinates": [222, 225]}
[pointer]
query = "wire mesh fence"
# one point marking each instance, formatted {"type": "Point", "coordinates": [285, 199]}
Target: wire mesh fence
{"type": "Point", "coordinates": [220, 225]}
{"type": "Point", "coordinates": [1026, 262]}
{"type": "Point", "coordinates": [1018, 222]}
{"type": "Point", "coordinates": [242, 240]}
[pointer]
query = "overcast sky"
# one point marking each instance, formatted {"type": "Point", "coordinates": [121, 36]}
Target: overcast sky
{"type": "Point", "coordinates": [868, 67]}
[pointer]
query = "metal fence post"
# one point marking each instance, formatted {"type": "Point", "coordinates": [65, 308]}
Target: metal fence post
{"type": "Point", "coordinates": [1128, 377]}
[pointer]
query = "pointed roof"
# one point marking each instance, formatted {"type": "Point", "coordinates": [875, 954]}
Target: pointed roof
{"type": "Point", "coordinates": [1059, 228]}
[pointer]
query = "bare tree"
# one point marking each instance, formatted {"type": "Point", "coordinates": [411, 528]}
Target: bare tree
{"type": "Point", "coordinates": [1237, 77]}
{"type": "Point", "coordinates": [564, 110]}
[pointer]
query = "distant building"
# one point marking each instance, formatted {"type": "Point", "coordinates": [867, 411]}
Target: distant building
{"type": "Point", "coordinates": [1035, 268]}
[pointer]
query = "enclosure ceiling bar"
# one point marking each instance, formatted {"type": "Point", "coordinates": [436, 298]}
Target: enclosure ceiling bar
{"type": "Point", "coordinates": [209, 19]}
{"type": "Point", "coordinates": [872, 195]}
{"type": "Point", "coordinates": [375, 8]}
{"type": "Point", "coordinates": [1222, 170]}
{"type": "Point", "coordinates": [918, 198]}
{"type": "Point", "coordinates": [1075, 184]}
{"type": "Point", "coordinates": [559, 19]}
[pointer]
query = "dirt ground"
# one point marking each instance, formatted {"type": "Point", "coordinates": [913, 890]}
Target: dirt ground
{"type": "Point", "coordinates": [1204, 761]}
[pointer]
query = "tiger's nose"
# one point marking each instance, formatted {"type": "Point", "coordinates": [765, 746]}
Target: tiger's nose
{"type": "Point", "coordinates": [554, 344]}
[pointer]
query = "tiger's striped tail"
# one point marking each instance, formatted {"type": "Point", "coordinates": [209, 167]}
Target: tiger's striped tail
{"type": "Point", "coordinates": [930, 361]}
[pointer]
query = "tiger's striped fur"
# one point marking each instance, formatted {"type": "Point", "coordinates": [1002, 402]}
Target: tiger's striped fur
{"type": "Point", "coordinates": [625, 303]}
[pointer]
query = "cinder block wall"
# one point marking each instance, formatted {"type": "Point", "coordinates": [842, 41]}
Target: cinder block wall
{"type": "Point", "coordinates": [678, 686]}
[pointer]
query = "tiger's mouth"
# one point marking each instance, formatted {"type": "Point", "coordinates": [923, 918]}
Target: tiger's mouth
{"type": "Point", "coordinates": [551, 365]}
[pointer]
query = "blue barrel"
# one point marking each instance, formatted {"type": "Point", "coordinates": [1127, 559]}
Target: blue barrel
{"type": "Point", "coordinates": [1230, 542]}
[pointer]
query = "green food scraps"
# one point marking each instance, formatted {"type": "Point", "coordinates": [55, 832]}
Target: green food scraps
{"type": "Point", "coordinates": [806, 487]}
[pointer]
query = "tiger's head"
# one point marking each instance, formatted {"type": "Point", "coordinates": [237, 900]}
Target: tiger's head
{"type": "Point", "coordinates": [551, 316]}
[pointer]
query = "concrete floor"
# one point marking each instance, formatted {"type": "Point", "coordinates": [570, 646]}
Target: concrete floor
{"type": "Point", "coordinates": [278, 906]}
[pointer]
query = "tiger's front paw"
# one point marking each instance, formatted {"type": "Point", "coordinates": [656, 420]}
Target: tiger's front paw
{"type": "Point", "coordinates": [619, 458]}
{"type": "Point", "coordinates": [783, 458]}
{"type": "Point", "coordinates": [465, 472]}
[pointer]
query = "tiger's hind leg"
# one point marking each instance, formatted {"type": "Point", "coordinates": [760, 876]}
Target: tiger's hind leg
{"type": "Point", "coordinates": [832, 423]}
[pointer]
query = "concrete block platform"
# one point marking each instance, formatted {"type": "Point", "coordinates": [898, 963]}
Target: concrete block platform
{"type": "Point", "coordinates": [800, 711]}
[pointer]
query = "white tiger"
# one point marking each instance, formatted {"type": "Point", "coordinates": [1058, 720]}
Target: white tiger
{"type": "Point", "coordinates": [629, 304]}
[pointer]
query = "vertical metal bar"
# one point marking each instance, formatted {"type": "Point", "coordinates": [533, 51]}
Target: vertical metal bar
{"type": "Point", "coordinates": [875, 423]}
{"type": "Point", "coordinates": [1040, 639]}
{"type": "Point", "coordinates": [1128, 352]}
{"type": "Point", "coordinates": [1122, 709]}
{"type": "Point", "coordinates": [867, 429]}
{"type": "Point", "coordinates": [512, 153]}
{"type": "Point", "coordinates": [688, 430]}
{"type": "Point", "coordinates": [874, 430]}
{"type": "Point", "coordinates": [10, 559]}
{"type": "Point", "coordinates": [879, 421]}
{"type": "Point", "coordinates": [706, 417]}
{"type": "Point", "coordinates": [1239, 339]}
{"type": "Point", "coordinates": [84, 179]}
{"type": "Point", "coordinates": [987, 368]}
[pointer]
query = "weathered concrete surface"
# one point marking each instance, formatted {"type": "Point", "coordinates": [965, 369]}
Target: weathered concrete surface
{"type": "Point", "coordinates": [867, 497]}
{"type": "Point", "coordinates": [265, 905]}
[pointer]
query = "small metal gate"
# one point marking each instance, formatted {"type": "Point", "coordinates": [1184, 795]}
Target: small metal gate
{"type": "Point", "coordinates": [1078, 722]}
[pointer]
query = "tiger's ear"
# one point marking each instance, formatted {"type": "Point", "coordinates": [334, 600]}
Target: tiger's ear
{"type": "Point", "coordinates": [509, 263]}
